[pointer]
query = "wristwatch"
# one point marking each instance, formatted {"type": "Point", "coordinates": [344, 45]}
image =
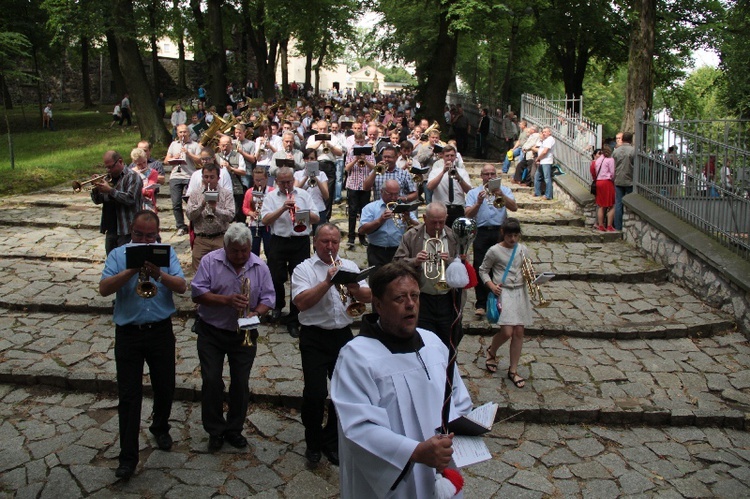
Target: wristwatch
{"type": "Point", "coordinates": [158, 279]}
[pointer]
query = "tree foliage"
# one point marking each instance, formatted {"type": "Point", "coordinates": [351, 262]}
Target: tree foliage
{"type": "Point", "coordinates": [735, 58]}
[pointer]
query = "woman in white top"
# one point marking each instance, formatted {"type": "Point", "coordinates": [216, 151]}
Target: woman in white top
{"type": "Point", "coordinates": [512, 294]}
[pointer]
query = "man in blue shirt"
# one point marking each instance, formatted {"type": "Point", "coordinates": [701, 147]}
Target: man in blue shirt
{"type": "Point", "coordinates": [489, 219]}
{"type": "Point", "coordinates": [143, 332]}
{"type": "Point", "coordinates": [383, 229]}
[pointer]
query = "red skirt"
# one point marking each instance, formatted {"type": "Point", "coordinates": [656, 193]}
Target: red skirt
{"type": "Point", "coordinates": [605, 193]}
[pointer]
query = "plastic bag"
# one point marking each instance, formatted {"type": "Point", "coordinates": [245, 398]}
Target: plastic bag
{"type": "Point", "coordinates": [493, 311]}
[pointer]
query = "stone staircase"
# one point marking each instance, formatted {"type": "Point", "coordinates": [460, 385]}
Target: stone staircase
{"type": "Point", "coordinates": [619, 343]}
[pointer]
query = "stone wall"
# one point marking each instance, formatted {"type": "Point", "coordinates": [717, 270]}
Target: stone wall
{"type": "Point", "coordinates": [694, 268]}
{"type": "Point", "coordinates": [575, 198]}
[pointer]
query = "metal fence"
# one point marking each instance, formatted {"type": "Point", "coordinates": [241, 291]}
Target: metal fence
{"type": "Point", "coordinates": [699, 170]}
{"type": "Point", "coordinates": [575, 136]}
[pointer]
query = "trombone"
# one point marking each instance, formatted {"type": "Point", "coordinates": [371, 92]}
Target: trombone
{"type": "Point", "coordinates": [434, 267]}
{"type": "Point", "coordinates": [529, 276]}
{"type": "Point", "coordinates": [77, 186]}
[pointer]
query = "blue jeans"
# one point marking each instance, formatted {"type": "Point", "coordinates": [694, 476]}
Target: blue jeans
{"type": "Point", "coordinates": [545, 170]}
{"type": "Point", "coordinates": [620, 192]}
{"type": "Point", "coordinates": [339, 180]}
{"type": "Point", "coordinates": [506, 161]}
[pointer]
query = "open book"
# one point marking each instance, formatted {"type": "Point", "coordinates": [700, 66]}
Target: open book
{"type": "Point", "coordinates": [468, 446]}
{"type": "Point", "coordinates": [346, 277]}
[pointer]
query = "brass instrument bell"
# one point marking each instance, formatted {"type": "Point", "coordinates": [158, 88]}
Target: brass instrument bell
{"type": "Point", "coordinates": [434, 267]}
{"type": "Point", "coordinates": [497, 201]}
{"type": "Point", "coordinates": [145, 288]}
{"type": "Point", "coordinates": [529, 276]}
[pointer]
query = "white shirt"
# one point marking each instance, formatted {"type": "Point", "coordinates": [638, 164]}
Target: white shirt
{"type": "Point", "coordinates": [282, 226]}
{"type": "Point", "coordinates": [441, 193]}
{"type": "Point", "coordinates": [265, 159]}
{"type": "Point", "coordinates": [314, 192]}
{"type": "Point", "coordinates": [186, 170]}
{"type": "Point", "coordinates": [178, 118]}
{"type": "Point", "coordinates": [330, 311]}
{"type": "Point", "coordinates": [196, 180]}
{"type": "Point", "coordinates": [331, 144]}
{"type": "Point", "coordinates": [549, 144]}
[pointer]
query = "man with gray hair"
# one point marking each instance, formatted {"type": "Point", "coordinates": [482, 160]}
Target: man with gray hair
{"type": "Point", "coordinates": [289, 152]}
{"type": "Point", "coordinates": [527, 156]}
{"type": "Point", "coordinates": [231, 284]}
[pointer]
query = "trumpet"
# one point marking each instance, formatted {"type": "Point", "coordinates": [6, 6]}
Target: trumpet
{"type": "Point", "coordinates": [355, 308]}
{"type": "Point", "coordinates": [497, 201]}
{"type": "Point", "coordinates": [296, 226]}
{"type": "Point", "coordinates": [361, 162]}
{"type": "Point", "coordinates": [434, 267]}
{"type": "Point", "coordinates": [245, 291]}
{"type": "Point", "coordinates": [326, 149]}
{"type": "Point", "coordinates": [380, 168]}
{"type": "Point", "coordinates": [77, 186]}
{"type": "Point", "coordinates": [145, 288]}
{"type": "Point", "coordinates": [529, 276]}
{"type": "Point", "coordinates": [312, 181]}
{"type": "Point", "coordinates": [398, 219]}
{"type": "Point", "coordinates": [210, 195]}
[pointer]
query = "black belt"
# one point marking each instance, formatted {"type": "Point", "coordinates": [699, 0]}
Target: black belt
{"type": "Point", "coordinates": [148, 325]}
{"type": "Point", "coordinates": [382, 247]}
{"type": "Point", "coordinates": [489, 227]}
{"type": "Point", "coordinates": [208, 236]}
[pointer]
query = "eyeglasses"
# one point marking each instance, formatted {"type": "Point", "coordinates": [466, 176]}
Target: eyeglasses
{"type": "Point", "coordinates": [151, 236]}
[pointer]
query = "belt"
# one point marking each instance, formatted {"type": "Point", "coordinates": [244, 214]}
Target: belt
{"type": "Point", "coordinates": [208, 236]}
{"type": "Point", "coordinates": [148, 325]}
{"type": "Point", "coordinates": [489, 227]}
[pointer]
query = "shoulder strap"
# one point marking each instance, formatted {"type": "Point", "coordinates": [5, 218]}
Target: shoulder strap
{"type": "Point", "coordinates": [599, 169]}
{"type": "Point", "coordinates": [510, 262]}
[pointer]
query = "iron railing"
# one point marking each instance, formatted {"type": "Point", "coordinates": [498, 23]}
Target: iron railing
{"type": "Point", "coordinates": [575, 136]}
{"type": "Point", "coordinates": [699, 170]}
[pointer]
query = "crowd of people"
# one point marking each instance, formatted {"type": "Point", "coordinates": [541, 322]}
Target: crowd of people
{"type": "Point", "coordinates": [270, 184]}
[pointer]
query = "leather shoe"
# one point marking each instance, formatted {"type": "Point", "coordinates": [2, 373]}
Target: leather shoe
{"type": "Point", "coordinates": [332, 456]}
{"type": "Point", "coordinates": [293, 330]}
{"type": "Point", "coordinates": [313, 456]}
{"type": "Point", "coordinates": [124, 471]}
{"type": "Point", "coordinates": [236, 440]}
{"type": "Point", "coordinates": [275, 314]}
{"type": "Point", "coordinates": [164, 441]}
{"type": "Point", "coordinates": [215, 443]}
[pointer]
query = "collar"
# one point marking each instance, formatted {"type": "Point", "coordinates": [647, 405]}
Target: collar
{"type": "Point", "coordinates": [371, 329]}
{"type": "Point", "coordinates": [250, 263]}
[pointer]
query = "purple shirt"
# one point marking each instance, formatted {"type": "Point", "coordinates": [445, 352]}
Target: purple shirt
{"type": "Point", "coordinates": [216, 275]}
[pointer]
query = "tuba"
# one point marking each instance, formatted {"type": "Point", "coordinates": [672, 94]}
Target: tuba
{"type": "Point", "coordinates": [245, 291]}
{"type": "Point", "coordinates": [145, 288]}
{"type": "Point", "coordinates": [434, 267]}
{"type": "Point", "coordinates": [529, 276]}
{"type": "Point", "coordinates": [426, 134]}
{"type": "Point", "coordinates": [215, 127]}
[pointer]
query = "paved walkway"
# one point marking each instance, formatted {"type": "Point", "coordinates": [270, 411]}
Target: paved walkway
{"type": "Point", "coordinates": [618, 344]}
{"type": "Point", "coordinates": [59, 445]}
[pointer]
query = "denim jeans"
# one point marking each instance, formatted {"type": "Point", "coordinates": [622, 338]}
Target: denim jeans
{"type": "Point", "coordinates": [339, 180]}
{"type": "Point", "coordinates": [545, 170]}
{"type": "Point", "coordinates": [620, 192]}
{"type": "Point", "coordinates": [506, 161]}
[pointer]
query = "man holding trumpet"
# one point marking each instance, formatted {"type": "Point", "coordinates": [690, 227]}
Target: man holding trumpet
{"type": "Point", "coordinates": [218, 291]}
{"type": "Point", "coordinates": [290, 213]}
{"type": "Point", "coordinates": [430, 247]}
{"type": "Point", "coordinates": [119, 193]}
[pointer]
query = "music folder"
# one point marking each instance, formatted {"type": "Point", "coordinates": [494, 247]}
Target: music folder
{"type": "Point", "coordinates": [177, 161]}
{"type": "Point", "coordinates": [468, 445]}
{"type": "Point", "coordinates": [544, 277]}
{"type": "Point", "coordinates": [323, 136]}
{"type": "Point", "coordinates": [347, 277]}
{"type": "Point", "coordinates": [437, 148]}
{"type": "Point", "coordinates": [136, 255]}
{"type": "Point", "coordinates": [284, 162]}
{"type": "Point", "coordinates": [405, 207]}
{"type": "Point", "coordinates": [419, 171]}
{"type": "Point", "coordinates": [494, 184]}
{"type": "Point", "coordinates": [362, 150]}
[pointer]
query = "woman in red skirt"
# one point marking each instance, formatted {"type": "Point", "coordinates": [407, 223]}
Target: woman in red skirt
{"type": "Point", "coordinates": [603, 169]}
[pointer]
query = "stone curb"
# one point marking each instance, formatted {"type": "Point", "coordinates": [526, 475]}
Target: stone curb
{"type": "Point", "coordinates": [529, 413]}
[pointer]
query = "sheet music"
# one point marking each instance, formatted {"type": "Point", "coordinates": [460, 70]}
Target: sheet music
{"type": "Point", "coordinates": [469, 450]}
{"type": "Point", "coordinates": [544, 277]}
{"type": "Point", "coordinates": [248, 322]}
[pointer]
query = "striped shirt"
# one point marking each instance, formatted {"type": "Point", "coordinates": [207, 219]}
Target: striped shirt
{"type": "Point", "coordinates": [126, 198]}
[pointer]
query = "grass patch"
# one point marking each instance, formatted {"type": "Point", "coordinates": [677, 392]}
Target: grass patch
{"type": "Point", "coordinates": [44, 159]}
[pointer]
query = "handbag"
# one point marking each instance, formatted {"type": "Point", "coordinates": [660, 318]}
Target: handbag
{"type": "Point", "coordinates": [494, 306]}
{"type": "Point", "coordinates": [593, 183]}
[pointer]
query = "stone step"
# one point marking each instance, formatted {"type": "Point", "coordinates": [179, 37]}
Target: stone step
{"type": "Point", "coordinates": [578, 308]}
{"type": "Point", "coordinates": [698, 381]}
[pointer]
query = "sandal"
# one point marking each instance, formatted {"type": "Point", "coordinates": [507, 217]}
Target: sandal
{"type": "Point", "coordinates": [516, 379]}
{"type": "Point", "coordinates": [490, 362]}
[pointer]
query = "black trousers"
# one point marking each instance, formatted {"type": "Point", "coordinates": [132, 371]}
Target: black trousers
{"type": "Point", "coordinates": [319, 349]}
{"type": "Point", "coordinates": [486, 238]}
{"type": "Point", "coordinates": [284, 255]}
{"type": "Point", "coordinates": [380, 255]}
{"type": "Point", "coordinates": [133, 346]}
{"type": "Point", "coordinates": [356, 200]}
{"type": "Point", "coordinates": [112, 240]}
{"type": "Point", "coordinates": [213, 345]}
{"type": "Point", "coordinates": [329, 168]}
{"type": "Point", "coordinates": [437, 313]}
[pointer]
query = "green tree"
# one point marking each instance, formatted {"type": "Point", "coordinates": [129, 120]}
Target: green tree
{"type": "Point", "coordinates": [13, 47]}
{"type": "Point", "coordinates": [735, 58]}
{"type": "Point", "coordinates": [699, 96]}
